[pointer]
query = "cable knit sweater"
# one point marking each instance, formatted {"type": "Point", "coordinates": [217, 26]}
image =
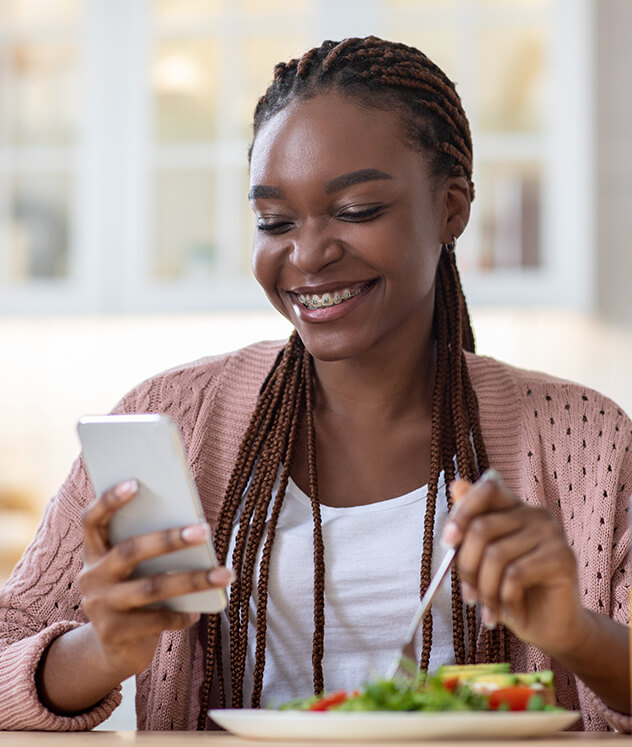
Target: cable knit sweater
{"type": "Point", "coordinates": [556, 444]}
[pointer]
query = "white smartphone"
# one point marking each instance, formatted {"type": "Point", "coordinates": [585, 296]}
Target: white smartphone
{"type": "Point", "coordinates": [149, 448]}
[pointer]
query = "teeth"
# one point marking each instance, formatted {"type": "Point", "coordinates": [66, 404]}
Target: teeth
{"type": "Point", "coordinates": [327, 299]}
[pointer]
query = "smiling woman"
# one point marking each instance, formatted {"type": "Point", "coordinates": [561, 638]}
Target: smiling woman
{"type": "Point", "coordinates": [328, 464]}
{"type": "Point", "coordinates": [309, 220]}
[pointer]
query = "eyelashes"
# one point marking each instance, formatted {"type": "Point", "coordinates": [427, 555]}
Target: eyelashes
{"type": "Point", "coordinates": [347, 216]}
{"type": "Point", "coordinates": [273, 228]}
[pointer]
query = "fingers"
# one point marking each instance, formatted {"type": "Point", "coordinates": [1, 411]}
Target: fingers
{"type": "Point", "coordinates": [97, 517]}
{"type": "Point", "coordinates": [485, 564]}
{"type": "Point", "coordinates": [121, 561]}
{"type": "Point", "coordinates": [545, 561]}
{"type": "Point", "coordinates": [117, 606]}
{"type": "Point", "coordinates": [513, 558]}
{"type": "Point", "coordinates": [145, 591]}
{"type": "Point", "coordinates": [486, 495]}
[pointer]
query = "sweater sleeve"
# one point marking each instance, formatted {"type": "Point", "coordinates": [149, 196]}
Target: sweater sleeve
{"type": "Point", "coordinates": [621, 570]}
{"type": "Point", "coordinates": [41, 601]}
{"type": "Point", "coordinates": [580, 457]}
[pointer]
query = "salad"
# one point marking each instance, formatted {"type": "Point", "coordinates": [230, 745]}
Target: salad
{"type": "Point", "coordinates": [486, 687]}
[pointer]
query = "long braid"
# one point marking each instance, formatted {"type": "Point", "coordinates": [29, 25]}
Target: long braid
{"type": "Point", "coordinates": [271, 458]}
{"type": "Point", "coordinates": [384, 75]}
{"type": "Point", "coordinates": [297, 388]}
{"type": "Point", "coordinates": [319, 548]}
{"type": "Point", "coordinates": [436, 459]}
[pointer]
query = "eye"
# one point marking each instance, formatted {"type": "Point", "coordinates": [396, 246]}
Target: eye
{"type": "Point", "coordinates": [274, 227]}
{"type": "Point", "coordinates": [362, 215]}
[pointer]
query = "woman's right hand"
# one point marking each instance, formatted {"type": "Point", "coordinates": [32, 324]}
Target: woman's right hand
{"type": "Point", "coordinates": [116, 604]}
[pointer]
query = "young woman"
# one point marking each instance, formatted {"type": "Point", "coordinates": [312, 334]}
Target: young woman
{"type": "Point", "coordinates": [323, 463]}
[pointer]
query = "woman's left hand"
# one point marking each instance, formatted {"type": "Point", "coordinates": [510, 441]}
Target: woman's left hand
{"type": "Point", "coordinates": [514, 559]}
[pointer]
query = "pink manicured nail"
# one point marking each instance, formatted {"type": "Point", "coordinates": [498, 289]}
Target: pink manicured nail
{"type": "Point", "coordinates": [221, 576]}
{"type": "Point", "coordinates": [488, 620]}
{"type": "Point", "coordinates": [451, 535]}
{"type": "Point", "coordinates": [468, 594]}
{"type": "Point", "coordinates": [195, 534]}
{"type": "Point", "coordinates": [126, 489]}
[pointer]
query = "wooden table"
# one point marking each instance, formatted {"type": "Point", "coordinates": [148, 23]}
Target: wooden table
{"type": "Point", "coordinates": [222, 739]}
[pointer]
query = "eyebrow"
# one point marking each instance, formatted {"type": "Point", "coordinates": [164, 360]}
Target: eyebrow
{"type": "Point", "coordinates": [354, 177]}
{"type": "Point", "coordinates": [265, 192]}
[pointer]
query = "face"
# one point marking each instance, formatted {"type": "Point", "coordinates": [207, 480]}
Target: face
{"type": "Point", "coordinates": [350, 224]}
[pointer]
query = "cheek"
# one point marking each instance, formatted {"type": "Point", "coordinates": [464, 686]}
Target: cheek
{"type": "Point", "coordinates": [264, 264]}
{"type": "Point", "coordinates": [266, 268]}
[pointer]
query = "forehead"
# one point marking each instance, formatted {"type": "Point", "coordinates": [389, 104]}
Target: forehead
{"type": "Point", "coordinates": [327, 134]}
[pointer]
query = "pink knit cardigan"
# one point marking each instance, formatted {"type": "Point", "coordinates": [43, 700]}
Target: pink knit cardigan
{"type": "Point", "coordinates": [556, 444]}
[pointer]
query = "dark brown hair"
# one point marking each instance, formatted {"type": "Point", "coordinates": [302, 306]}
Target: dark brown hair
{"type": "Point", "coordinates": [379, 74]}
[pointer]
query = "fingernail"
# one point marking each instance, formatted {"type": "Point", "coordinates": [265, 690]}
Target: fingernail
{"type": "Point", "coordinates": [488, 619]}
{"type": "Point", "coordinates": [126, 489]}
{"type": "Point", "coordinates": [491, 475]}
{"type": "Point", "coordinates": [468, 594]}
{"type": "Point", "coordinates": [221, 576]}
{"type": "Point", "coordinates": [451, 535]}
{"type": "Point", "coordinates": [196, 533]}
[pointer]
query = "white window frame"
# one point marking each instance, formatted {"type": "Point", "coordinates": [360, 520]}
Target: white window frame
{"type": "Point", "coordinates": [114, 159]}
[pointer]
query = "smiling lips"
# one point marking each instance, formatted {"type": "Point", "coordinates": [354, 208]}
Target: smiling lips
{"type": "Point", "coordinates": [314, 301]}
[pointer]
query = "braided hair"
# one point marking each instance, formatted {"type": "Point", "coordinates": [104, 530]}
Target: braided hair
{"type": "Point", "coordinates": [380, 74]}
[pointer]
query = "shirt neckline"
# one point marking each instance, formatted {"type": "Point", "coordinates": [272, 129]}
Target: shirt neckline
{"type": "Point", "coordinates": [388, 504]}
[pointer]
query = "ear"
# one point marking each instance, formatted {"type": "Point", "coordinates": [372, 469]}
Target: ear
{"type": "Point", "coordinates": [456, 207]}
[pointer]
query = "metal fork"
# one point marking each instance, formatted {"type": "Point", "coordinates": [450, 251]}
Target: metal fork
{"type": "Point", "coordinates": [405, 663]}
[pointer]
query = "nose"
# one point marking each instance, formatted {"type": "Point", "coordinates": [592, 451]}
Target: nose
{"type": "Point", "coordinates": [314, 248]}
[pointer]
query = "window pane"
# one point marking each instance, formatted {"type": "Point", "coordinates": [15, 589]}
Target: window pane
{"type": "Point", "coordinates": [34, 232]}
{"type": "Point", "coordinates": [184, 79]}
{"type": "Point", "coordinates": [185, 246]}
{"type": "Point", "coordinates": [249, 225]}
{"type": "Point", "coordinates": [511, 72]}
{"type": "Point", "coordinates": [40, 87]}
{"type": "Point", "coordinates": [261, 54]}
{"type": "Point", "coordinates": [515, 4]}
{"type": "Point", "coordinates": [185, 10]}
{"type": "Point", "coordinates": [276, 6]}
{"type": "Point", "coordinates": [39, 12]}
{"type": "Point", "coordinates": [408, 5]}
{"type": "Point", "coordinates": [508, 197]}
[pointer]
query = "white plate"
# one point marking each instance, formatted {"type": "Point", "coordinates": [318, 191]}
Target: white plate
{"type": "Point", "coordinates": [389, 725]}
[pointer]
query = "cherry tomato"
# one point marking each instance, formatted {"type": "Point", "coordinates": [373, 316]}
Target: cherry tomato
{"type": "Point", "coordinates": [324, 704]}
{"type": "Point", "coordinates": [451, 683]}
{"type": "Point", "coordinates": [517, 697]}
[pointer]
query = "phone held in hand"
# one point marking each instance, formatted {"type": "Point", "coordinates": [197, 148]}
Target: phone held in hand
{"type": "Point", "coordinates": [149, 448]}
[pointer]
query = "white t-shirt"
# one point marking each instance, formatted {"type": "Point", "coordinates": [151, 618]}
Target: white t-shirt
{"type": "Point", "coordinates": [372, 566]}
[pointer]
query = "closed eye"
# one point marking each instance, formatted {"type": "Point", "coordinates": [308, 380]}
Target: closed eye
{"type": "Point", "coordinates": [360, 216]}
{"type": "Point", "coordinates": [273, 227]}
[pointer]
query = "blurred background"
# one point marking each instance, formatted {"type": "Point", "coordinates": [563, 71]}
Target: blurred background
{"type": "Point", "coordinates": [125, 229]}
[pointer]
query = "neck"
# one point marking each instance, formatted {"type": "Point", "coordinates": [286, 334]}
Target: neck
{"type": "Point", "coordinates": [388, 383]}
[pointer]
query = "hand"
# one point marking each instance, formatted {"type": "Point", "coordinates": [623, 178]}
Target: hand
{"type": "Point", "coordinates": [115, 603]}
{"type": "Point", "coordinates": [514, 559]}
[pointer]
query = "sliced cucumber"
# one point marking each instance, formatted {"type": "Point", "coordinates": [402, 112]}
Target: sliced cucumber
{"type": "Point", "coordinates": [468, 671]}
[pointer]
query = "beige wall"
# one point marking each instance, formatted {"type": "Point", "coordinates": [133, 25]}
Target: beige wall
{"type": "Point", "coordinates": [613, 130]}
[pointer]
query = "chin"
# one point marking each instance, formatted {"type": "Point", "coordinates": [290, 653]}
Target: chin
{"type": "Point", "coordinates": [332, 347]}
